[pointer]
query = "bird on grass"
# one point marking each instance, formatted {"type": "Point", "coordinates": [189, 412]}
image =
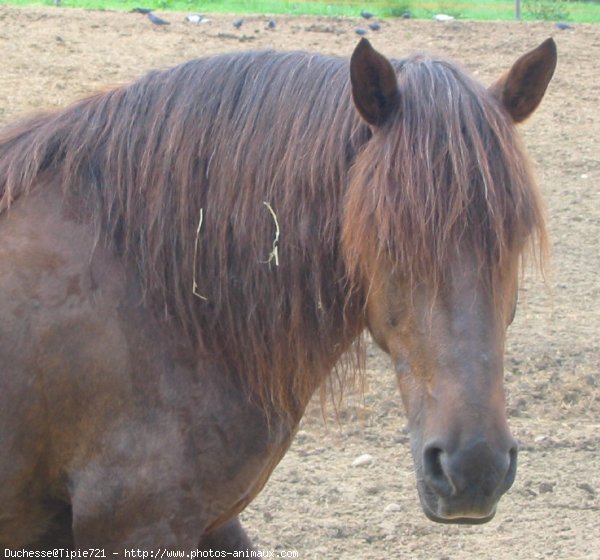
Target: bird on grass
{"type": "Point", "coordinates": [141, 10]}
{"type": "Point", "coordinates": [157, 20]}
{"type": "Point", "coordinates": [366, 15]}
{"type": "Point", "coordinates": [562, 25]}
{"type": "Point", "coordinates": [238, 23]}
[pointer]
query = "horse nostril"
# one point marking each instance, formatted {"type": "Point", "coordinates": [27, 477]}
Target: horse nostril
{"type": "Point", "coordinates": [433, 469]}
{"type": "Point", "coordinates": [512, 468]}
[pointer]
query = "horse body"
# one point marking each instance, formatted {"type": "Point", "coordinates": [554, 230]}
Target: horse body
{"type": "Point", "coordinates": [161, 339]}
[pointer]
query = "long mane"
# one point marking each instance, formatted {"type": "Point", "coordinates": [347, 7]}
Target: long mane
{"type": "Point", "coordinates": [226, 182]}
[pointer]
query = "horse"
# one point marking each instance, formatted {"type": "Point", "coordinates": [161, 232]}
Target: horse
{"type": "Point", "coordinates": [187, 259]}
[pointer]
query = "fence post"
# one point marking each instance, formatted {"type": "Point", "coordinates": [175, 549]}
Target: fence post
{"type": "Point", "coordinates": [518, 9]}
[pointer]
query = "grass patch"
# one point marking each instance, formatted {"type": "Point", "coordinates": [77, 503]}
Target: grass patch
{"type": "Point", "coordinates": [547, 10]}
{"type": "Point", "coordinates": [550, 10]}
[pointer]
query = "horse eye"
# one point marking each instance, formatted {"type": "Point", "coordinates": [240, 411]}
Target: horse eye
{"type": "Point", "coordinates": [392, 318]}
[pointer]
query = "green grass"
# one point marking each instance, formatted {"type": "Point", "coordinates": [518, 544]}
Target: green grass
{"type": "Point", "coordinates": [573, 11]}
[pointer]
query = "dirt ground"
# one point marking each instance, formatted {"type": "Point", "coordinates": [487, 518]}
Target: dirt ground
{"type": "Point", "coordinates": [316, 501]}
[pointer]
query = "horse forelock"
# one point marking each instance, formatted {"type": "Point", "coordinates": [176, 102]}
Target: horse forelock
{"type": "Point", "coordinates": [446, 171]}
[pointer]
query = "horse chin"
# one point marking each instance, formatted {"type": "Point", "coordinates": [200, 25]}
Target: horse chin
{"type": "Point", "coordinates": [439, 512]}
{"type": "Point", "coordinates": [458, 520]}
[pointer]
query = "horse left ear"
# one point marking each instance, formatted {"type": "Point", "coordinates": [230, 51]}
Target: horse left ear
{"type": "Point", "coordinates": [523, 87]}
{"type": "Point", "coordinates": [374, 84]}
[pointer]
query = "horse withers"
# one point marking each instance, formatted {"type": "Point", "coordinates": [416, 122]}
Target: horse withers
{"type": "Point", "coordinates": [184, 260]}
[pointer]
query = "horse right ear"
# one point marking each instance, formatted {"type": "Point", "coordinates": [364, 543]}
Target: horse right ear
{"type": "Point", "coordinates": [374, 84]}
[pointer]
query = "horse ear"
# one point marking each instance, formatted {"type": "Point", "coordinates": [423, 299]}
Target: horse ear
{"type": "Point", "coordinates": [522, 88]}
{"type": "Point", "coordinates": [374, 84]}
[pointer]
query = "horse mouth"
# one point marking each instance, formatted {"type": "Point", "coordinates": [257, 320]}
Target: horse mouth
{"type": "Point", "coordinates": [441, 511]}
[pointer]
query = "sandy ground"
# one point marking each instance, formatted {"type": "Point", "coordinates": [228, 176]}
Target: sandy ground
{"type": "Point", "coordinates": [316, 501]}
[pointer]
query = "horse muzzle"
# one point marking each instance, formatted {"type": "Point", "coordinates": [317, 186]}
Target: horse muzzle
{"type": "Point", "coordinates": [464, 485]}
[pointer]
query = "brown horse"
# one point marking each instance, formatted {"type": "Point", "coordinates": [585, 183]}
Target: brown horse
{"type": "Point", "coordinates": [185, 260]}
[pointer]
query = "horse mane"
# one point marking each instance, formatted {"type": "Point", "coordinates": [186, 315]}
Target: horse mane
{"type": "Point", "coordinates": [225, 181]}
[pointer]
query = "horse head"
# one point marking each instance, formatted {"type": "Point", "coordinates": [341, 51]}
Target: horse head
{"type": "Point", "coordinates": [440, 208]}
